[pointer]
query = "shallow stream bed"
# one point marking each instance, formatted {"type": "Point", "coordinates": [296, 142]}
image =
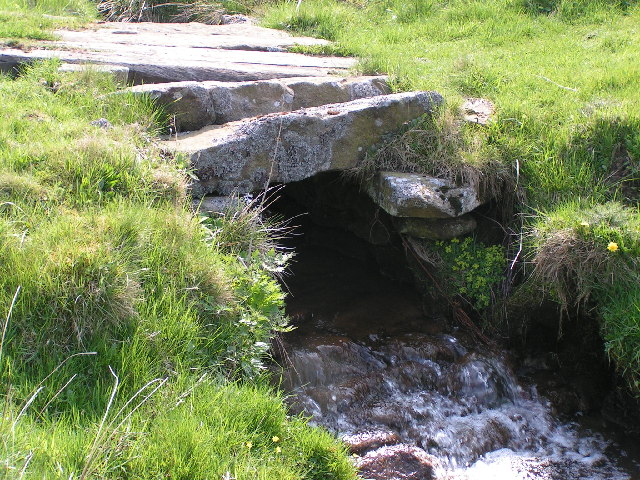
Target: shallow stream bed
{"type": "Point", "coordinates": [367, 364]}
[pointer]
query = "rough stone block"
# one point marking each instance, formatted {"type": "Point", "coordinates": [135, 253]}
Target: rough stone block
{"type": "Point", "coordinates": [437, 228]}
{"type": "Point", "coordinates": [283, 148]}
{"type": "Point", "coordinates": [198, 104]}
{"type": "Point", "coordinates": [421, 196]}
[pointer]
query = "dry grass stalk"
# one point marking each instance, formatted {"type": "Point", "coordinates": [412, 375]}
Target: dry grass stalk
{"type": "Point", "coordinates": [568, 264]}
{"type": "Point", "coordinates": [446, 147]}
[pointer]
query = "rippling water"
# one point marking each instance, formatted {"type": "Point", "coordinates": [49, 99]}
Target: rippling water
{"type": "Point", "coordinates": [364, 360]}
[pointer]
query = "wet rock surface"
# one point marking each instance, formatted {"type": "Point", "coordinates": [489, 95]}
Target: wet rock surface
{"type": "Point", "coordinates": [367, 441]}
{"type": "Point", "coordinates": [398, 462]}
{"type": "Point", "coordinates": [440, 405]}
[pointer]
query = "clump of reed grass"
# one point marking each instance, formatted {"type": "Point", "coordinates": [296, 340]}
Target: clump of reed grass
{"type": "Point", "coordinates": [202, 11]}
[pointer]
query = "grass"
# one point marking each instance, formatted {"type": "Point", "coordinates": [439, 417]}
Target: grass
{"type": "Point", "coordinates": [215, 430]}
{"type": "Point", "coordinates": [135, 347]}
{"type": "Point", "coordinates": [204, 11]}
{"type": "Point", "coordinates": [22, 21]}
{"type": "Point", "coordinates": [562, 148]}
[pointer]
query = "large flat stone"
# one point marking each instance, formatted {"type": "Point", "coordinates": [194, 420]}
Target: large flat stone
{"type": "Point", "coordinates": [193, 35]}
{"type": "Point", "coordinates": [421, 196]}
{"type": "Point", "coordinates": [189, 51]}
{"type": "Point", "coordinates": [282, 148]}
{"type": "Point", "coordinates": [197, 104]}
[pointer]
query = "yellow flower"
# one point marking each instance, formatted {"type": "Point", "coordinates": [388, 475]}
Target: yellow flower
{"type": "Point", "coordinates": [612, 247]}
{"type": "Point", "coordinates": [249, 444]}
{"type": "Point", "coordinates": [275, 439]}
{"type": "Point", "coordinates": [584, 224]}
{"type": "Point", "coordinates": [278, 450]}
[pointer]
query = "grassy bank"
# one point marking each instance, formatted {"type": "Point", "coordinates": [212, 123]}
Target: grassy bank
{"type": "Point", "coordinates": [134, 332]}
{"type": "Point", "coordinates": [564, 144]}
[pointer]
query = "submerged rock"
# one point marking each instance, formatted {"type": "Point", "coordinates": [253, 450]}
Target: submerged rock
{"type": "Point", "coordinates": [397, 462]}
{"type": "Point", "coordinates": [360, 443]}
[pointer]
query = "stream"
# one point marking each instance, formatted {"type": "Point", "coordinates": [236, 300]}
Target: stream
{"type": "Point", "coordinates": [366, 363]}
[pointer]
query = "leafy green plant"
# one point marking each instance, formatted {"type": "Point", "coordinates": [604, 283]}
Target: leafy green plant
{"type": "Point", "coordinates": [470, 269]}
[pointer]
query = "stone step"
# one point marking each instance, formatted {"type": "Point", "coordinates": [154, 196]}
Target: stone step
{"type": "Point", "coordinates": [281, 148]}
{"type": "Point", "coordinates": [156, 52]}
{"type": "Point", "coordinates": [195, 105]}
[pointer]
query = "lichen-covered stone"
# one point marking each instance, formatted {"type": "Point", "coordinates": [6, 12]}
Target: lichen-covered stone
{"type": "Point", "coordinates": [477, 110]}
{"type": "Point", "coordinates": [216, 204]}
{"type": "Point", "coordinates": [283, 148]}
{"type": "Point", "coordinates": [421, 196]}
{"type": "Point", "coordinates": [189, 103]}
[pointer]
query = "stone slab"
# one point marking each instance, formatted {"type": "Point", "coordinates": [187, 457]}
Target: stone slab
{"type": "Point", "coordinates": [188, 51]}
{"type": "Point", "coordinates": [478, 110]}
{"type": "Point", "coordinates": [195, 105]}
{"type": "Point", "coordinates": [436, 228]}
{"type": "Point", "coordinates": [215, 204]}
{"type": "Point", "coordinates": [282, 148]}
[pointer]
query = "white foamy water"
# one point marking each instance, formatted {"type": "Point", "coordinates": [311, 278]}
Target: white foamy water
{"type": "Point", "coordinates": [465, 408]}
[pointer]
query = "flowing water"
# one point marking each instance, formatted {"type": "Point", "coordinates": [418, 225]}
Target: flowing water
{"type": "Point", "coordinates": [367, 364]}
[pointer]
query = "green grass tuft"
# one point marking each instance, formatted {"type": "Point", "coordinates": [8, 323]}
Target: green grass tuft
{"type": "Point", "coordinates": [25, 20]}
